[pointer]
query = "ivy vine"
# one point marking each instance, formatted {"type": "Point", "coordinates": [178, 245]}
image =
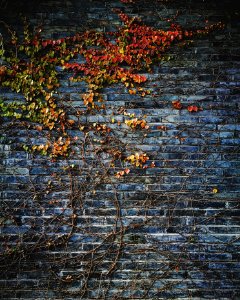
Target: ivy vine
{"type": "Point", "coordinates": [32, 65]}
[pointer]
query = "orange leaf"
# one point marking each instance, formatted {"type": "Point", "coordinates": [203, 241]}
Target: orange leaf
{"type": "Point", "coordinates": [70, 122]}
{"type": "Point", "coordinates": [139, 78]}
{"type": "Point", "coordinates": [132, 92]}
{"type": "Point", "coordinates": [39, 128]}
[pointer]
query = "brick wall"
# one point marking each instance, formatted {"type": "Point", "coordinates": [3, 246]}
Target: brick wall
{"type": "Point", "coordinates": [169, 232]}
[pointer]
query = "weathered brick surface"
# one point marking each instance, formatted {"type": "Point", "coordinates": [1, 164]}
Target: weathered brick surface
{"type": "Point", "coordinates": [188, 244]}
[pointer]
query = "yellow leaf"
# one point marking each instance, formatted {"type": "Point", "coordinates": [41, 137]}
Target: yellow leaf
{"type": "Point", "coordinates": [131, 157]}
{"type": "Point", "coordinates": [51, 125]}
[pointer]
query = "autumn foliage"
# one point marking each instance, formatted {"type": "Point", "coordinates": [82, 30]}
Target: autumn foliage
{"type": "Point", "coordinates": [33, 65]}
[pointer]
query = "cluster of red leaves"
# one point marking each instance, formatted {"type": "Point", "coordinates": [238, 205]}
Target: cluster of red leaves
{"type": "Point", "coordinates": [191, 108]}
{"type": "Point", "coordinates": [135, 45]}
{"type": "Point", "coordinates": [118, 57]}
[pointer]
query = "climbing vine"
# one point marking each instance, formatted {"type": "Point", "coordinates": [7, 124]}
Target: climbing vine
{"type": "Point", "coordinates": [33, 66]}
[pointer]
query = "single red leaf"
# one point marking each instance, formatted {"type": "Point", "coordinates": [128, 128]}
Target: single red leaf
{"type": "Point", "coordinates": [177, 104]}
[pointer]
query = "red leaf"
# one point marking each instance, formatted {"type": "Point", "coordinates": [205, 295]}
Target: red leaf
{"type": "Point", "coordinates": [3, 70]}
{"type": "Point", "coordinates": [127, 171]}
{"type": "Point", "coordinates": [193, 108]}
{"type": "Point", "coordinates": [177, 104]}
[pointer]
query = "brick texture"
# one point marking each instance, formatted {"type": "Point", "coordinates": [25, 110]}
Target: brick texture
{"type": "Point", "coordinates": [175, 238]}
